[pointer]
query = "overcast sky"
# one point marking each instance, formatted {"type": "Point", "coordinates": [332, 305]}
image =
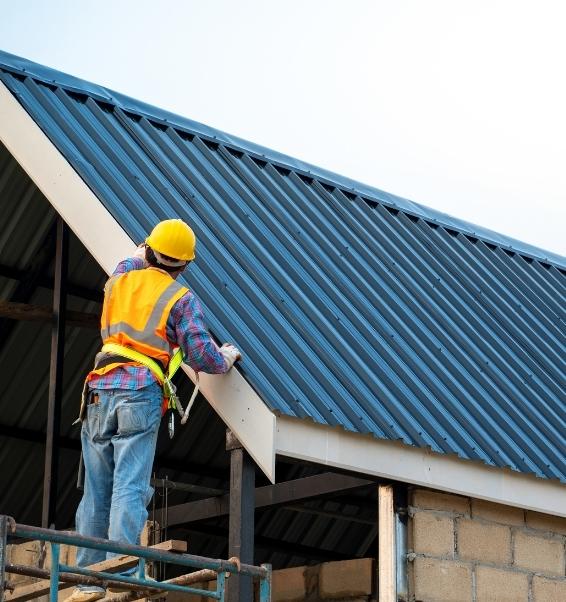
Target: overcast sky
{"type": "Point", "coordinates": [457, 105]}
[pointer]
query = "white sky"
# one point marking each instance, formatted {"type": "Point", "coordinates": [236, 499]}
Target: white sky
{"type": "Point", "coordinates": [457, 105]}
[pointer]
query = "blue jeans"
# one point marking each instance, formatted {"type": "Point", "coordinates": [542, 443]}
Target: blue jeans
{"type": "Point", "coordinates": [118, 437]}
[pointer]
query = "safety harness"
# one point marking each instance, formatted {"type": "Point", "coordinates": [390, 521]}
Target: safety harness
{"type": "Point", "coordinates": [112, 353]}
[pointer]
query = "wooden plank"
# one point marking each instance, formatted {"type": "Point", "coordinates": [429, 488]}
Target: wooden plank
{"type": "Point", "coordinates": [172, 545]}
{"type": "Point", "coordinates": [270, 495]}
{"type": "Point", "coordinates": [35, 590]}
{"type": "Point", "coordinates": [386, 548]}
{"type": "Point", "coordinates": [195, 577]}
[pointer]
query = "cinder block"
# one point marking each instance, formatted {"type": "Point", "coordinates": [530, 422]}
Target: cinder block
{"type": "Point", "coordinates": [498, 513]}
{"type": "Point", "coordinates": [486, 543]}
{"type": "Point", "coordinates": [548, 590]}
{"type": "Point", "coordinates": [441, 580]}
{"type": "Point", "coordinates": [71, 555]}
{"type": "Point", "coordinates": [496, 585]}
{"type": "Point", "coordinates": [546, 522]}
{"type": "Point", "coordinates": [433, 535]}
{"type": "Point", "coordinates": [539, 554]}
{"type": "Point", "coordinates": [288, 585]}
{"type": "Point", "coordinates": [67, 555]}
{"type": "Point", "coordinates": [23, 553]}
{"type": "Point", "coordinates": [345, 579]}
{"type": "Point", "coordinates": [434, 500]}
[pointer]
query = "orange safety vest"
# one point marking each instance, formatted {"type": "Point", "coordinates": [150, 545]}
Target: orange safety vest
{"type": "Point", "coordinates": [136, 307]}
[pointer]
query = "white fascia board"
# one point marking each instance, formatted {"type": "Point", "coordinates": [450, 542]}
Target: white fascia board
{"type": "Point", "coordinates": [367, 455]}
{"type": "Point", "coordinates": [230, 395]}
{"type": "Point", "coordinates": [62, 186]}
{"type": "Point", "coordinates": [243, 411]}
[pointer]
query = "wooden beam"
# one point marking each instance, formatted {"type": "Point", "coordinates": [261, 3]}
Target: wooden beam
{"type": "Point", "coordinates": [386, 575]}
{"type": "Point", "coordinates": [334, 515]}
{"type": "Point", "coordinates": [279, 494]}
{"type": "Point", "coordinates": [44, 313]}
{"type": "Point", "coordinates": [35, 269]}
{"type": "Point", "coordinates": [74, 290]}
{"type": "Point", "coordinates": [38, 437]}
{"type": "Point", "coordinates": [271, 545]}
{"type": "Point", "coordinates": [12, 432]}
{"type": "Point", "coordinates": [187, 487]}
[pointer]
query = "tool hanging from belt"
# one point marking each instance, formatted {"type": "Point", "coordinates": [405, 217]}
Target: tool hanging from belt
{"type": "Point", "coordinates": [112, 353]}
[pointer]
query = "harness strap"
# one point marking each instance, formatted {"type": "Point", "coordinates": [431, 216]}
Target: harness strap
{"type": "Point", "coordinates": [120, 352]}
{"type": "Point", "coordinates": [112, 353]}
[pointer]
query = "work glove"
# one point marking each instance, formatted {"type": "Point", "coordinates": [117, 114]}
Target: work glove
{"type": "Point", "coordinates": [231, 355]}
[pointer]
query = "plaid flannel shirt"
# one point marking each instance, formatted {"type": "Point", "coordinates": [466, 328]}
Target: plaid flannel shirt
{"type": "Point", "coordinates": [185, 328]}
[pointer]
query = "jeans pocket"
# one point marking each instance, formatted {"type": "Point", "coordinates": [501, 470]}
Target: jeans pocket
{"type": "Point", "coordinates": [133, 417]}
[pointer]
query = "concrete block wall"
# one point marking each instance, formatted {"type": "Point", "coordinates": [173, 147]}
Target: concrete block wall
{"type": "Point", "coordinates": [29, 554]}
{"type": "Point", "coordinates": [467, 550]}
{"type": "Point", "coordinates": [345, 581]}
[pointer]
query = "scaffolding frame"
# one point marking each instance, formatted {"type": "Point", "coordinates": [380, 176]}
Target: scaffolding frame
{"type": "Point", "coordinates": [207, 569]}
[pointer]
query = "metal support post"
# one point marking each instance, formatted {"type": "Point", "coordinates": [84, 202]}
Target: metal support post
{"type": "Point", "coordinates": [265, 585]}
{"type": "Point", "coordinates": [400, 499]}
{"type": "Point", "coordinates": [54, 582]}
{"type": "Point", "coordinates": [55, 376]}
{"type": "Point", "coordinates": [242, 505]}
{"type": "Point", "coordinates": [221, 585]}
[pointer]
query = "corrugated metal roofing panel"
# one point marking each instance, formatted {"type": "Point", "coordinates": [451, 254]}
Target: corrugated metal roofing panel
{"type": "Point", "coordinates": [352, 307]}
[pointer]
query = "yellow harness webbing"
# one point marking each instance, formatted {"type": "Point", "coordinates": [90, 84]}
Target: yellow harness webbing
{"type": "Point", "coordinates": [163, 378]}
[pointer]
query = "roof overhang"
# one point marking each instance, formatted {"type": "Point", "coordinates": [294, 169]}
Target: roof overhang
{"type": "Point", "coordinates": [262, 434]}
{"type": "Point", "coordinates": [390, 460]}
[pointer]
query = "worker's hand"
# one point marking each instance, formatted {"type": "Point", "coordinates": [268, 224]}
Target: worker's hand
{"type": "Point", "coordinates": [231, 354]}
{"type": "Point", "coordinates": [140, 252]}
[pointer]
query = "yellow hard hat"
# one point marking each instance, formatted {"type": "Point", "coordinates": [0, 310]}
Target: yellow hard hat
{"type": "Point", "coordinates": [173, 238]}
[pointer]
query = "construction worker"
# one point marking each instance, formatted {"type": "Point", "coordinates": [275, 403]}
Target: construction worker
{"type": "Point", "coordinates": [146, 314]}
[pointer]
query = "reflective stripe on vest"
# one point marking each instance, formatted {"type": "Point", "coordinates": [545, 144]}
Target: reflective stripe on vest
{"type": "Point", "coordinates": [136, 308]}
{"type": "Point", "coordinates": [147, 333]}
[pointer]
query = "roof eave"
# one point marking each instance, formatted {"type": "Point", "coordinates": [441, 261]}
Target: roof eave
{"type": "Point", "coordinates": [332, 446]}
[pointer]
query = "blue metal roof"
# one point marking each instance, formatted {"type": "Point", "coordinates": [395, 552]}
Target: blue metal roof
{"type": "Point", "coordinates": [353, 307]}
